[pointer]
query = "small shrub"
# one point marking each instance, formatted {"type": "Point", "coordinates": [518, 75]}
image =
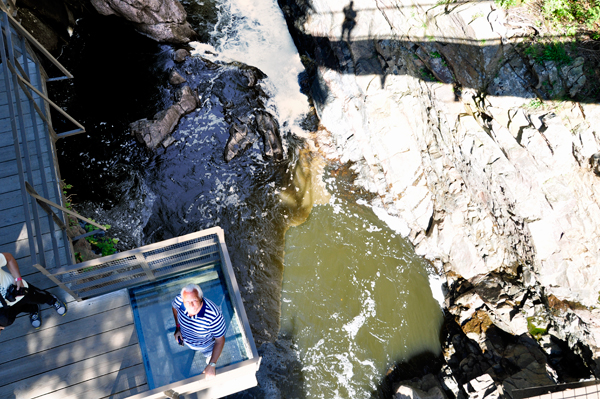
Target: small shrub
{"type": "Point", "coordinates": [558, 10]}
{"type": "Point", "coordinates": [104, 244]}
{"type": "Point", "coordinates": [68, 197]}
{"type": "Point", "coordinates": [554, 51]}
{"type": "Point", "coordinates": [535, 103]}
{"type": "Point", "coordinates": [506, 3]}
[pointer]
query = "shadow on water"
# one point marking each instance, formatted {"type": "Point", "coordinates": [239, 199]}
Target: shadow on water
{"type": "Point", "coordinates": [526, 70]}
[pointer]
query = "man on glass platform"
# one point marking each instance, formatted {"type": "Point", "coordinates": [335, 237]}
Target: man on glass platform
{"type": "Point", "coordinates": [199, 324]}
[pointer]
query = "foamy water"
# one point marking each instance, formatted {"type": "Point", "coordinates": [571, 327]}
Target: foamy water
{"type": "Point", "coordinates": [255, 33]}
{"type": "Point", "coordinates": [355, 300]}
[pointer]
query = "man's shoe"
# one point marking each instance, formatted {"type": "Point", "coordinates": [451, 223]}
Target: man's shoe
{"type": "Point", "coordinates": [59, 306]}
{"type": "Point", "coordinates": [36, 318]}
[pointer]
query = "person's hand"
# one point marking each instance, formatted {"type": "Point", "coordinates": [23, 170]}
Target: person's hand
{"type": "Point", "coordinates": [178, 337]}
{"type": "Point", "coordinates": [210, 371]}
{"type": "Point", "coordinates": [19, 284]}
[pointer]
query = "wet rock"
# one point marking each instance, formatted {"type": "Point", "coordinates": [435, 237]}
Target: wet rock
{"type": "Point", "coordinates": [436, 65]}
{"type": "Point", "coordinates": [482, 387]}
{"type": "Point", "coordinates": [163, 21]}
{"type": "Point", "coordinates": [595, 163]}
{"type": "Point", "coordinates": [406, 392]}
{"type": "Point", "coordinates": [176, 79]}
{"type": "Point", "coordinates": [251, 77]}
{"type": "Point", "coordinates": [84, 248]}
{"type": "Point", "coordinates": [187, 100]}
{"type": "Point", "coordinates": [269, 129]}
{"type": "Point", "coordinates": [239, 140]}
{"type": "Point", "coordinates": [168, 141]}
{"type": "Point", "coordinates": [575, 78]}
{"type": "Point", "coordinates": [153, 132]}
{"type": "Point", "coordinates": [180, 55]}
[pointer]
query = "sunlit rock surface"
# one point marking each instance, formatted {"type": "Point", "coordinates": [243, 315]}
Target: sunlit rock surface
{"type": "Point", "coordinates": [161, 20]}
{"type": "Point", "coordinates": [489, 186]}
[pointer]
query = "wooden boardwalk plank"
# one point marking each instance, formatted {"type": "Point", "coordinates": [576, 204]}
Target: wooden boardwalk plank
{"type": "Point", "coordinates": [64, 334]}
{"type": "Point", "coordinates": [93, 351]}
{"type": "Point", "coordinates": [10, 168]}
{"type": "Point", "coordinates": [14, 229]}
{"type": "Point", "coordinates": [19, 245]}
{"type": "Point", "coordinates": [76, 311]}
{"type": "Point", "coordinates": [12, 199]}
{"type": "Point", "coordinates": [20, 249]}
{"type": "Point", "coordinates": [11, 183]}
{"type": "Point", "coordinates": [131, 380]}
{"type": "Point", "coordinates": [6, 129]}
{"type": "Point", "coordinates": [75, 373]}
{"type": "Point", "coordinates": [86, 348]}
{"type": "Point", "coordinates": [7, 148]}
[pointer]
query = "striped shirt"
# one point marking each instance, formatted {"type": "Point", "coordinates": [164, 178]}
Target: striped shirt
{"type": "Point", "coordinates": [200, 331]}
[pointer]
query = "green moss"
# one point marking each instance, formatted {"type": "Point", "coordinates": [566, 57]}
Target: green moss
{"type": "Point", "coordinates": [533, 328]}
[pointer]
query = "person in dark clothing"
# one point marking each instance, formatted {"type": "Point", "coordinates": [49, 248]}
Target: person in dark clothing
{"type": "Point", "coordinates": [349, 20]}
{"type": "Point", "coordinates": [17, 296]}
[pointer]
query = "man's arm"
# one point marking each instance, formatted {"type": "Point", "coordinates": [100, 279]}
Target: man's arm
{"type": "Point", "coordinates": [211, 371]}
{"type": "Point", "coordinates": [13, 268]}
{"type": "Point", "coordinates": [177, 334]}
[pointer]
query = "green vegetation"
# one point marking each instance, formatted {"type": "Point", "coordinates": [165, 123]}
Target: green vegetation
{"type": "Point", "coordinates": [553, 51]}
{"type": "Point", "coordinates": [104, 244]}
{"type": "Point", "coordinates": [535, 103]}
{"type": "Point", "coordinates": [534, 327]}
{"type": "Point", "coordinates": [585, 12]}
{"type": "Point", "coordinates": [68, 197]}
{"type": "Point", "coordinates": [506, 3]}
{"type": "Point", "coordinates": [427, 75]}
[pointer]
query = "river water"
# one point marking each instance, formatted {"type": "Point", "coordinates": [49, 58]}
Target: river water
{"type": "Point", "coordinates": [335, 296]}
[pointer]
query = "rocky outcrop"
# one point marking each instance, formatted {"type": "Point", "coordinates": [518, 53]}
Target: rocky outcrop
{"type": "Point", "coordinates": [442, 114]}
{"type": "Point", "coordinates": [154, 132]}
{"type": "Point", "coordinates": [161, 20]}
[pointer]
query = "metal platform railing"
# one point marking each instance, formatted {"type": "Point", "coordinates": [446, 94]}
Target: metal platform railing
{"type": "Point", "coordinates": [142, 265]}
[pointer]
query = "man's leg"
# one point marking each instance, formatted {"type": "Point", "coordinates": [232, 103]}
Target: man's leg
{"type": "Point", "coordinates": [7, 316]}
{"type": "Point", "coordinates": [37, 297]}
{"type": "Point", "coordinates": [10, 313]}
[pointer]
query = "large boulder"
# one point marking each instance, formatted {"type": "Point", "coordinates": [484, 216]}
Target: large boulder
{"type": "Point", "coordinates": [161, 20]}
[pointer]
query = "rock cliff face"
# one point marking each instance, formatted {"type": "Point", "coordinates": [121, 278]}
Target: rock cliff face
{"type": "Point", "coordinates": [440, 111]}
{"type": "Point", "coordinates": [161, 20]}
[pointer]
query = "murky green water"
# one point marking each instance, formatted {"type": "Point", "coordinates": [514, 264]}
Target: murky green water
{"type": "Point", "coordinates": [355, 300]}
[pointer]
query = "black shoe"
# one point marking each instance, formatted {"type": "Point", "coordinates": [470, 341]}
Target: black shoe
{"type": "Point", "coordinates": [59, 306]}
{"type": "Point", "coordinates": [36, 318]}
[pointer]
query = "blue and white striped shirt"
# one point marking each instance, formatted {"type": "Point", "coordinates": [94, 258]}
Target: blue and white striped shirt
{"type": "Point", "coordinates": [200, 331]}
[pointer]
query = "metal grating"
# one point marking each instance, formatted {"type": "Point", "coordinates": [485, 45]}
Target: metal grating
{"type": "Point", "coordinates": [142, 265]}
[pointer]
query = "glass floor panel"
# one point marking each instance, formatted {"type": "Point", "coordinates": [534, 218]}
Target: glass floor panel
{"type": "Point", "coordinates": [164, 359]}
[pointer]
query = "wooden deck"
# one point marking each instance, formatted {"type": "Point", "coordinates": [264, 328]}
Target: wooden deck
{"type": "Point", "coordinates": [91, 352]}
